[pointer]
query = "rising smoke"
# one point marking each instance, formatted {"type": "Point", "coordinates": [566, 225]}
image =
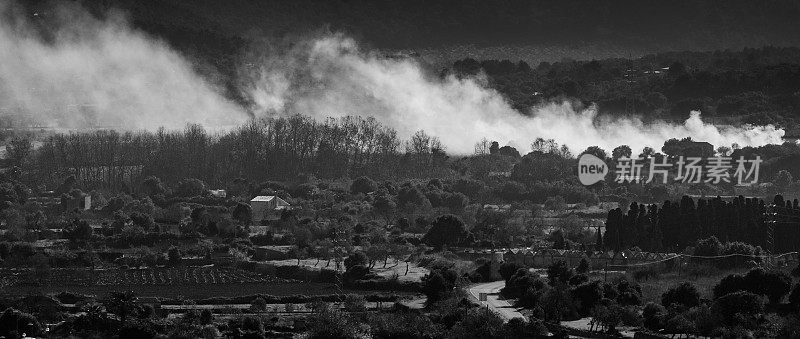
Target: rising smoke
{"type": "Point", "coordinates": [331, 76]}
{"type": "Point", "coordinates": [79, 71]}
{"type": "Point", "coordinates": [92, 72]}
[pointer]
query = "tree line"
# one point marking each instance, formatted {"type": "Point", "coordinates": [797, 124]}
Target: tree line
{"type": "Point", "coordinates": [282, 148]}
{"type": "Point", "coordinates": [675, 225]}
{"type": "Point", "coordinates": [756, 84]}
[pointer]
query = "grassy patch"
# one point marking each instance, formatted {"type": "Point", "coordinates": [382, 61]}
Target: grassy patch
{"type": "Point", "coordinates": [704, 277]}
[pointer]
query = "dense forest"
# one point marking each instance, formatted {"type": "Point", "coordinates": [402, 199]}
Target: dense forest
{"type": "Point", "coordinates": [408, 24]}
{"type": "Point", "coordinates": [756, 86]}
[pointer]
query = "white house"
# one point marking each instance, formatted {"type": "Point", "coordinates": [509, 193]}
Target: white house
{"type": "Point", "coordinates": [262, 205]}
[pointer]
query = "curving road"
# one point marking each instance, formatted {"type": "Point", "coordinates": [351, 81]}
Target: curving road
{"type": "Point", "coordinates": [493, 301]}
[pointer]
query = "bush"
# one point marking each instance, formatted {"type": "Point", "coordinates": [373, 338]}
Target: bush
{"type": "Point", "coordinates": [652, 315]}
{"type": "Point", "coordinates": [733, 306]}
{"type": "Point", "coordinates": [629, 316]}
{"type": "Point", "coordinates": [774, 285]}
{"type": "Point", "coordinates": [358, 258]}
{"type": "Point", "coordinates": [520, 282]}
{"type": "Point", "coordinates": [356, 272]}
{"type": "Point", "coordinates": [258, 305]}
{"type": "Point", "coordinates": [190, 187]}
{"type": "Point", "coordinates": [730, 284]}
{"type": "Point", "coordinates": [556, 203]}
{"type": "Point", "coordinates": [355, 303]}
{"type": "Point", "coordinates": [628, 294]}
{"type": "Point", "coordinates": [744, 250]}
{"type": "Point", "coordinates": [559, 272]}
{"type": "Point", "coordinates": [678, 324]}
{"type": "Point", "coordinates": [174, 255]}
{"type": "Point", "coordinates": [708, 247]}
{"type": "Point", "coordinates": [14, 323]}
{"type": "Point", "coordinates": [438, 283]}
{"type": "Point", "coordinates": [583, 266]}
{"type": "Point", "coordinates": [508, 269]}
{"type": "Point", "coordinates": [363, 185]}
{"type": "Point", "coordinates": [588, 295]}
{"type": "Point", "coordinates": [794, 297]}
{"type": "Point", "coordinates": [578, 279]}
{"type": "Point", "coordinates": [685, 294]}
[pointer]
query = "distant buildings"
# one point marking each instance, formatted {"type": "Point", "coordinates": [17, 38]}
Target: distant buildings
{"type": "Point", "coordinates": [218, 193]}
{"type": "Point", "coordinates": [264, 205]}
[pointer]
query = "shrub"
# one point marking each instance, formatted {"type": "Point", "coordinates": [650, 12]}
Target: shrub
{"type": "Point", "coordinates": [628, 294]}
{"type": "Point", "coordinates": [583, 266]}
{"type": "Point", "coordinates": [14, 323]}
{"type": "Point", "coordinates": [483, 273]}
{"type": "Point", "coordinates": [557, 304]}
{"type": "Point", "coordinates": [774, 285]}
{"type": "Point", "coordinates": [685, 294]}
{"type": "Point", "coordinates": [678, 324]}
{"type": "Point", "coordinates": [630, 316]}
{"type": "Point", "coordinates": [258, 305]}
{"type": "Point", "coordinates": [555, 203]}
{"type": "Point", "coordinates": [358, 258]}
{"type": "Point", "coordinates": [708, 247]}
{"type": "Point", "coordinates": [652, 315]}
{"type": "Point", "coordinates": [5, 250]}
{"type": "Point", "coordinates": [508, 269]}
{"type": "Point", "coordinates": [559, 272]}
{"type": "Point", "coordinates": [356, 272]}
{"type": "Point", "coordinates": [355, 303]}
{"type": "Point", "coordinates": [729, 284]}
{"type": "Point", "coordinates": [174, 255]}
{"type": "Point", "coordinates": [794, 297]}
{"type": "Point", "coordinates": [190, 187]}
{"type": "Point", "coordinates": [447, 229]}
{"type": "Point", "coordinates": [588, 295]}
{"type": "Point", "coordinates": [520, 282]}
{"type": "Point", "coordinates": [578, 279]}
{"type": "Point", "coordinates": [733, 306]}
{"type": "Point", "coordinates": [744, 250]}
{"type": "Point", "coordinates": [22, 250]}
{"type": "Point", "coordinates": [706, 321]}
{"type": "Point", "coordinates": [478, 323]}
{"type": "Point", "coordinates": [363, 185]}
{"type": "Point", "coordinates": [207, 317]}
{"type": "Point", "coordinates": [438, 283]}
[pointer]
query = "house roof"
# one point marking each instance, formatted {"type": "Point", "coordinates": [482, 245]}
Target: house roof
{"type": "Point", "coordinates": [263, 198]}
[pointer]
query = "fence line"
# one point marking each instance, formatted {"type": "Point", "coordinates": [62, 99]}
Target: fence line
{"type": "Point", "coordinates": [704, 257]}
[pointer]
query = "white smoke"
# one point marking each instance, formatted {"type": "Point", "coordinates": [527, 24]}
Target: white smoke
{"type": "Point", "coordinates": [93, 72]}
{"type": "Point", "coordinates": [333, 77]}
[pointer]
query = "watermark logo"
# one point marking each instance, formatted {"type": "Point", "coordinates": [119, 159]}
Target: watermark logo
{"type": "Point", "coordinates": [692, 170]}
{"type": "Point", "coordinates": [591, 169]}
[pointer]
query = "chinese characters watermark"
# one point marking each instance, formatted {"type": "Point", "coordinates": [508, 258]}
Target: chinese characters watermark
{"type": "Point", "coordinates": [693, 170]}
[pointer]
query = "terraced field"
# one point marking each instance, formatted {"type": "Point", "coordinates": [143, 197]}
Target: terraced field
{"type": "Point", "coordinates": [200, 275]}
{"type": "Point", "coordinates": [165, 282]}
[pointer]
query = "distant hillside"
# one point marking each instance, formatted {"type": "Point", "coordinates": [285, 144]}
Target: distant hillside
{"type": "Point", "coordinates": [567, 27]}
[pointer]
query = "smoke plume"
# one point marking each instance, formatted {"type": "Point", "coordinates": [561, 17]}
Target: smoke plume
{"type": "Point", "coordinates": [64, 68]}
{"type": "Point", "coordinates": [333, 77]}
{"type": "Point", "coordinates": [86, 72]}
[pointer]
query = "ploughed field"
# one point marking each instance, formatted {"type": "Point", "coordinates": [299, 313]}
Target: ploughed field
{"type": "Point", "coordinates": [194, 282]}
